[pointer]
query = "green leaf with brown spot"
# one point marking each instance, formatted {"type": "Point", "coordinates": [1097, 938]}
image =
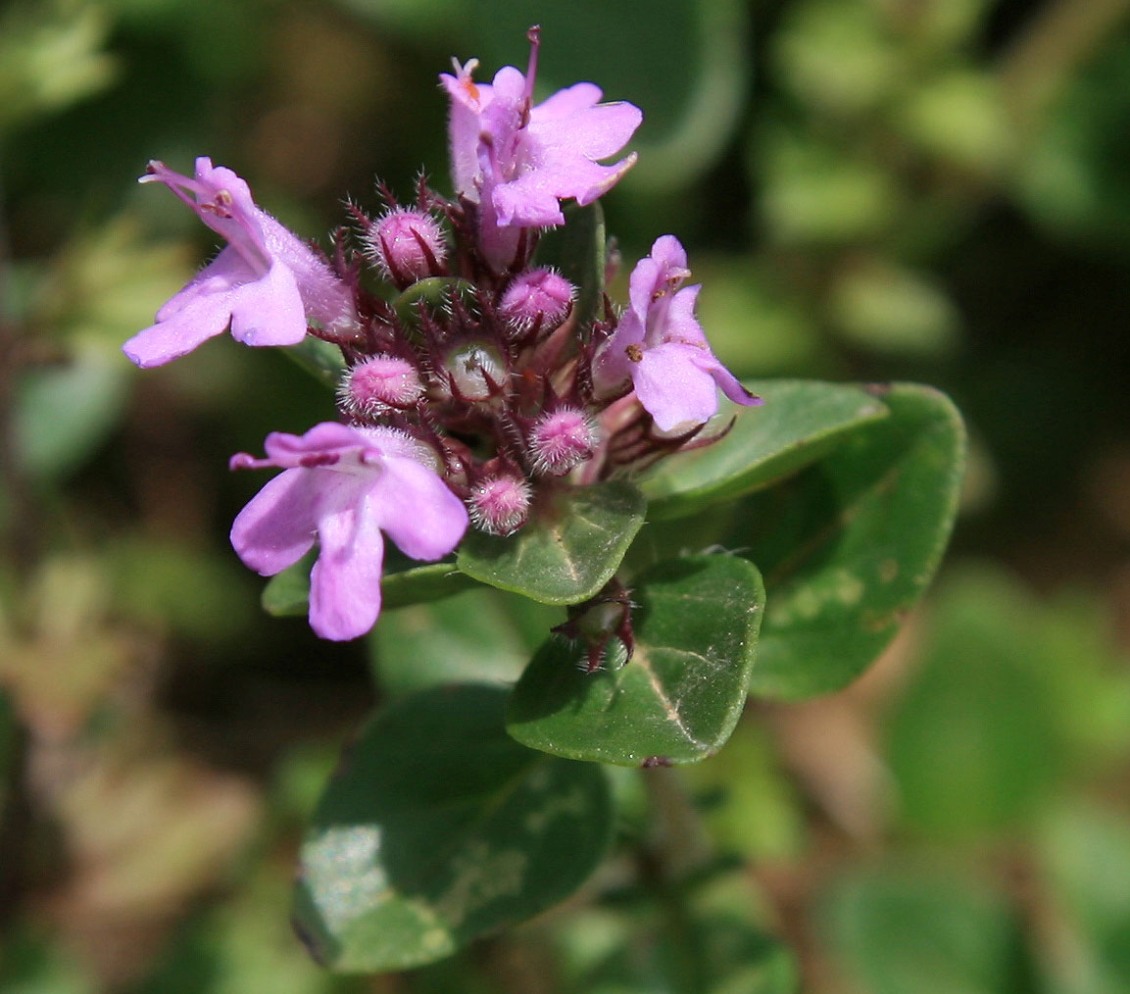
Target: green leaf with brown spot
{"type": "Point", "coordinates": [679, 696]}
{"type": "Point", "coordinates": [439, 828]}
{"type": "Point", "coordinates": [849, 545]}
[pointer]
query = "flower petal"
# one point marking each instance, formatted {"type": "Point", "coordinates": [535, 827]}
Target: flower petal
{"type": "Point", "coordinates": [595, 131]}
{"type": "Point", "coordinates": [269, 311]}
{"type": "Point", "coordinates": [345, 583]}
{"type": "Point", "coordinates": [326, 299]}
{"type": "Point", "coordinates": [613, 366]}
{"type": "Point", "coordinates": [417, 510]}
{"type": "Point", "coordinates": [278, 525]}
{"type": "Point", "coordinates": [673, 388]}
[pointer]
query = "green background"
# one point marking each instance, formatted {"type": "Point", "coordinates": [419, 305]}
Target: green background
{"type": "Point", "coordinates": [869, 191]}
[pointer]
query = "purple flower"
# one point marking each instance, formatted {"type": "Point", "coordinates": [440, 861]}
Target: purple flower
{"type": "Point", "coordinates": [660, 346]}
{"type": "Point", "coordinates": [267, 285]}
{"type": "Point", "coordinates": [345, 486]}
{"type": "Point", "coordinates": [517, 161]}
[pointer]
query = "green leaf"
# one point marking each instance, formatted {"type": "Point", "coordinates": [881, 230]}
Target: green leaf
{"type": "Point", "coordinates": [481, 635]}
{"type": "Point", "coordinates": [439, 828]}
{"type": "Point", "coordinates": [985, 697]}
{"type": "Point", "coordinates": [435, 291]}
{"type": "Point", "coordinates": [899, 928]}
{"type": "Point", "coordinates": [751, 806]}
{"type": "Point", "coordinates": [1083, 862]}
{"type": "Point", "coordinates": [320, 359]}
{"type": "Point", "coordinates": [568, 551]}
{"type": "Point", "coordinates": [800, 422]}
{"type": "Point", "coordinates": [579, 251]}
{"type": "Point", "coordinates": [850, 544]}
{"type": "Point", "coordinates": [63, 413]}
{"type": "Point", "coordinates": [418, 584]}
{"type": "Point", "coordinates": [50, 58]}
{"type": "Point", "coordinates": [287, 594]}
{"type": "Point", "coordinates": [680, 695]}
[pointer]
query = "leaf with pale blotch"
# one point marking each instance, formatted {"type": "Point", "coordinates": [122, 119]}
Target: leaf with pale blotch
{"type": "Point", "coordinates": [570, 548]}
{"type": "Point", "coordinates": [850, 544]}
{"type": "Point", "coordinates": [800, 422]}
{"type": "Point", "coordinates": [439, 828]}
{"type": "Point", "coordinates": [677, 699]}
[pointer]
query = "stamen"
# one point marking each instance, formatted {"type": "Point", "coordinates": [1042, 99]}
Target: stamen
{"type": "Point", "coordinates": [534, 38]}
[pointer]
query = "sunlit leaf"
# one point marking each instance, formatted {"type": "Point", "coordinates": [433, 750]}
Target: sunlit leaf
{"type": "Point", "coordinates": [799, 422]}
{"type": "Point", "coordinates": [677, 699]}
{"type": "Point", "coordinates": [567, 552]}
{"type": "Point", "coordinates": [320, 359]}
{"type": "Point", "coordinates": [439, 828]}
{"type": "Point", "coordinates": [849, 545]}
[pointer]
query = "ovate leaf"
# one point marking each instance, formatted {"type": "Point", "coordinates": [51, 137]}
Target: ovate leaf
{"type": "Point", "coordinates": [439, 828]}
{"type": "Point", "coordinates": [481, 635]}
{"type": "Point", "coordinates": [568, 550]}
{"type": "Point", "coordinates": [800, 422]}
{"type": "Point", "coordinates": [679, 696]}
{"type": "Point", "coordinates": [849, 545]}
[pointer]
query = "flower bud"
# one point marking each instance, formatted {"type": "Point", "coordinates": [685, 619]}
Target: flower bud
{"type": "Point", "coordinates": [500, 505]}
{"type": "Point", "coordinates": [406, 245]}
{"type": "Point", "coordinates": [562, 439]}
{"type": "Point", "coordinates": [378, 383]}
{"type": "Point", "coordinates": [536, 298]}
{"type": "Point", "coordinates": [476, 371]}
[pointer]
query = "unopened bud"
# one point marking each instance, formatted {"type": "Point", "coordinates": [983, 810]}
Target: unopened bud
{"type": "Point", "coordinates": [406, 245]}
{"type": "Point", "coordinates": [562, 439]}
{"type": "Point", "coordinates": [477, 371]}
{"type": "Point", "coordinates": [500, 505]}
{"type": "Point", "coordinates": [378, 383]}
{"type": "Point", "coordinates": [537, 297]}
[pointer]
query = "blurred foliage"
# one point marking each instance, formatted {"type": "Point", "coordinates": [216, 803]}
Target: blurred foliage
{"type": "Point", "coordinates": [934, 190]}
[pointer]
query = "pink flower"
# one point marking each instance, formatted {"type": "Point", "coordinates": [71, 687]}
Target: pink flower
{"type": "Point", "coordinates": [345, 486]}
{"type": "Point", "coordinates": [660, 346]}
{"type": "Point", "coordinates": [518, 161]}
{"type": "Point", "coordinates": [266, 285]}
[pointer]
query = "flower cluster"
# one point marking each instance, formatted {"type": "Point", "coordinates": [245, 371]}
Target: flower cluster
{"type": "Point", "coordinates": [471, 385]}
